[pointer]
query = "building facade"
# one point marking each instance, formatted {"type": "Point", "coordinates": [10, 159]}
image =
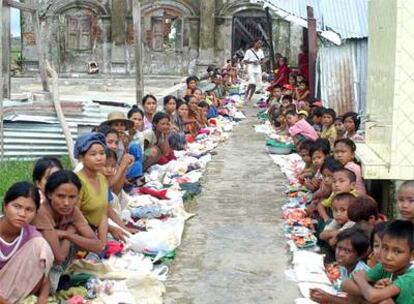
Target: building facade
{"type": "Point", "coordinates": [180, 37]}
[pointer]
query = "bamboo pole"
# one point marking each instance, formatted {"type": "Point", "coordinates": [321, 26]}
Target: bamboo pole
{"type": "Point", "coordinates": [59, 112]}
{"type": "Point", "coordinates": [139, 72]}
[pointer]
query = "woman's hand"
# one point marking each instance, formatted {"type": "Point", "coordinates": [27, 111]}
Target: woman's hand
{"type": "Point", "coordinates": [118, 233]}
{"type": "Point", "coordinates": [127, 160]}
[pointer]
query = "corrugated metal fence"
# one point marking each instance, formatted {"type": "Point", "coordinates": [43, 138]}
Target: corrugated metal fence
{"type": "Point", "coordinates": [343, 76]}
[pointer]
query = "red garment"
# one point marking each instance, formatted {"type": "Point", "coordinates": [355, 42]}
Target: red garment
{"type": "Point", "coordinates": [165, 159]}
{"type": "Point", "coordinates": [161, 194]}
{"type": "Point", "coordinates": [113, 248]}
{"type": "Point", "coordinates": [283, 72]}
{"type": "Point", "coordinates": [304, 65]}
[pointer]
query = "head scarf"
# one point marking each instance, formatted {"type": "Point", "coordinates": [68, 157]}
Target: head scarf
{"type": "Point", "coordinates": [85, 142]}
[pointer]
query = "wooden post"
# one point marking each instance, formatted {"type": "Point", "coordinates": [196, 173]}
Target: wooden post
{"type": "Point", "coordinates": [312, 48]}
{"type": "Point", "coordinates": [59, 112]}
{"type": "Point", "coordinates": [272, 51]}
{"type": "Point", "coordinates": [139, 71]}
{"type": "Point", "coordinates": [40, 52]}
{"type": "Point", "coordinates": [6, 50]}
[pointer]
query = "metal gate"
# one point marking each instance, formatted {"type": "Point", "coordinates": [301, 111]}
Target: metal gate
{"type": "Point", "coordinates": [247, 28]}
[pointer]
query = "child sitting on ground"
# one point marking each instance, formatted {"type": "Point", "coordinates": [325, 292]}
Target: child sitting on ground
{"type": "Point", "coordinates": [279, 122]}
{"type": "Point", "coordinates": [192, 83]}
{"type": "Point", "coordinates": [339, 126]}
{"type": "Point", "coordinates": [405, 200]}
{"type": "Point", "coordinates": [352, 246]}
{"type": "Point", "coordinates": [375, 244]}
{"type": "Point", "coordinates": [302, 91]}
{"type": "Point", "coordinates": [391, 280]}
{"type": "Point", "coordinates": [319, 152]}
{"type": "Point", "coordinates": [300, 130]}
{"type": "Point", "coordinates": [275, 96]}
{"type": "Point", "coordinates": [329, 166]}
{"type": "Point", "coordinates": [286, 101]}
{"type": "Point", "coordinates": [343, 181]}
{"type": "Point", "coordinates": [328, 126]}
{"type": "Point", "coordinates": [344, 151]}
{"type": "Point", "coordinates": [365, 210]}
{"type": "Point", "coordinates": [340, 205]}
{"type": "Point", "coordinates": [304, 152]}
{"type": "Point", "coordinates": [317, 119]}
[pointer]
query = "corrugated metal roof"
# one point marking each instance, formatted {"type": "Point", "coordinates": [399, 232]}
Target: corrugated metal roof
{"type": "Point", "coordinates": [348, 18]}
{"type": "Point", "coordinates": [32, 130]}
{"type": "Point", "coordinates": [31, 136]}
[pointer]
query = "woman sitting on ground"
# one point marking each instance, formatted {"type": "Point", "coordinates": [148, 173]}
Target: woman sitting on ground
{"type": "Point", "coordinates": [25, 256]}
{"type": "Point", "coordinates": [43, 168]}
{"type": "Point", "coordinates": [94, 195]}
{"type": "Point", "coordinates": [157, 147]}
{"type": "Point", "coordinates": [194, 112]}
{"type": "Point", "coordinates": [61, 222]}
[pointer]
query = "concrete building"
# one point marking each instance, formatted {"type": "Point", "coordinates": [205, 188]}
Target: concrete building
{"type": "Point", "coordinates": [178, 35]}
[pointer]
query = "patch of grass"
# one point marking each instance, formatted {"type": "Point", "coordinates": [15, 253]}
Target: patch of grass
{"type": "Point", "coordinates": [19, 170]}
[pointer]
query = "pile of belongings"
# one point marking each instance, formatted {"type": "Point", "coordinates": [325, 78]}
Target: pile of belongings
{"type": "Point", "coordinates": [134, 272]}
{"type": "Point", "coordinates": [308, 269]}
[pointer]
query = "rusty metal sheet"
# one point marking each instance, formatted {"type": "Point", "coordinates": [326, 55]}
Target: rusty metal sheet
{"type": "Point", "coordinates": [342, 76]}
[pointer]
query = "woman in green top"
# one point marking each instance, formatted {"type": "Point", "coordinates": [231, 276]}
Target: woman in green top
{"type": "Point", "coordinates": [90, 149]}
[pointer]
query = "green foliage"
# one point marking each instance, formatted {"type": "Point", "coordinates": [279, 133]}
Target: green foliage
{"type": "Point", "coordinates": [19, 170]}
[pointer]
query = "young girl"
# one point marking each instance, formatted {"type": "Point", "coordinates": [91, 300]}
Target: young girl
{"type": "Point", "coordinates": [351, 123]}
{"type": "Point", "coordinates": [405, 200]}
{"type": "Point", "coordinates": [62, 223]}
{"type": "Point", "coordinates": [198, 94]}
{"type": "Point", "coordinates": [328, 126]}
{"type": "Point", "coordinates": [375, 244]}
{"type": "Point", "coordinates": [25, 257]}
{"type": "Point", "coordinates": [43, 168]}
{"type": "Point", "coordinates": [118, 121]}
{"type": "Point", "coordinates": [170, 106]}
{"type": "Point", "coordinates": [149, 102]}
{"type": "Point", "coordinates": [157, 148]}
{"type": "Point", "coordinates": [137, 116]}
{"type": "Point", "coordinates": [111, 137]}
{"type": "Point", "coordinates": [305, 153]}
{"type": "Point", "coordinates": [192, 83]}
{"type": "Point", "coordinates": [186, 124]}
{"type": "Point", "coordinates": [340, 128]}
{"type": "Point", "coordinates": [300, 129]}
{"type": "Point", "coordinates": [320, 150]}
{"type": "Point", "coordinates": [344, 152]}
{"type": "Point", "coordinates": [302, 91]}
{"type": "Point", "coordinates": [350, 250]}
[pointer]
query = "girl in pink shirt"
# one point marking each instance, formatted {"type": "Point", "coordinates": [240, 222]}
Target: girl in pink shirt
{"type": "Point", "coordinates": [344, 152]}
{"type": "Point", "coordinates": [300, 129]}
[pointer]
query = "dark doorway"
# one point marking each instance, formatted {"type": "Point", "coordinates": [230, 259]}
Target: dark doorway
{"type": "Point", "coordinates": [248, 26]}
